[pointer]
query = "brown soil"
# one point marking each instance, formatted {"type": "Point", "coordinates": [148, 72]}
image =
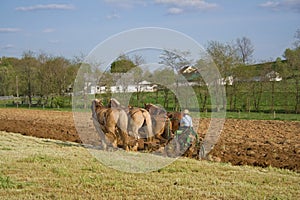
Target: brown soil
{"type": "Point", "coordinates": [242, 142]}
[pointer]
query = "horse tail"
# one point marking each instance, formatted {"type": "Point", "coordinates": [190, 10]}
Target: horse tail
{"type": "Point", "coordinates": [93, 107]}
{"type": "Point", "coordinates": [123, 120]}
{"type": "Point", "coordinates": [97, 125]}
{"type": "Point", "coordinates": [122, 125]}
{"type": "Point", "coordinates": [148, 120]}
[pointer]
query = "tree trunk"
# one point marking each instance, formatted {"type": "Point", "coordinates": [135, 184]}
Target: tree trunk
{"type": "Point", "coordinates": [272, 95]}
{"type": "Point", "coordinates": [166, 98]}
{"type": "Point", "coordinates": [297, 105]}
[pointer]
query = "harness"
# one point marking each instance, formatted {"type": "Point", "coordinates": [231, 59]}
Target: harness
{"type": "Point", "coordinates": [168, 128]}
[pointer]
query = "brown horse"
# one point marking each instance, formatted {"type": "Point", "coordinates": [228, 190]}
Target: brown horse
{"type": "Point", "coordinates": [175, 118]}
{"type": "Point", "coordinates": [161, 122]}
{"type": "Point", "coordinates": [110, 123]}
{"type": "Point", "coordinates": [137, 118]}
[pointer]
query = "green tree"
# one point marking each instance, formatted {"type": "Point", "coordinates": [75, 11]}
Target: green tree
{"type": "Point", "coordinates": [202, 89]}
{"type": "Point", "coordinates": [122, 65]}
{"type": "Point", "coordinates": [275, 69]}
{"type": "Point", "coordinates": [7, 78]}
{"type": "Point", "coordinates": [29, 65]}
{"type": "Point", "coordinates": [293, 63]}
{"type": "Point", "coordinates": [56, 76]}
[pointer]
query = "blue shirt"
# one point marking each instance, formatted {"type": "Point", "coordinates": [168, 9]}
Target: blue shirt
{"type": "Point", "coordinates": [186, 121]}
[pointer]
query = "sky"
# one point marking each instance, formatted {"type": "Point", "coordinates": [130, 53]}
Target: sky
{"type": "Point", "coordinates": [74, 28]}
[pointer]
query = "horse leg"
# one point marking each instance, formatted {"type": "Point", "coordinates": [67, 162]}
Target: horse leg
{"type": "Point", "coordinates": [100, 130]}
{"type": "Point", "coordinates": [135, 130]}
{"type": "Point", "coordinates": [134, 125]}
{"type": "Point", "coordinates": [124, 139]}
{"type": "Point", "coordinates": [113, 137]}
{"type": "Point", "coordinates": [103, 136]}
{"type": "Point", "coordinates": [161, 138]}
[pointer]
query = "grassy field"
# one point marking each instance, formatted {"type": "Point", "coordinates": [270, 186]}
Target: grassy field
{"type": "Point", "coordinates": [262, 116]}
{"type": "Point", "coordinates": [32, 168]}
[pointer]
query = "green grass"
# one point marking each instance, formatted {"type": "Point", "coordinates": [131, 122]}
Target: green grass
{"type": "Point", "coordinates": [262, 116]}
{"type": "Point", "coordinates": [41, 169]}
{"type": "Point", "coordinates": [228, 115]}
{"type": "Point", "coordinates": [246, 94]}
{"type": "Point", "coordinates": [6, 182]}
{"type": "Point", "coordinates": [35, 108]}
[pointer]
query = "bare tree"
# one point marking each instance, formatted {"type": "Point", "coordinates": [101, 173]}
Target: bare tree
{"type": "Point", "coordinates": [175, 59]}
{"type": "Point", "coordinates": [137, 78]}
{"type": "Point", "coordinates": [245, 49]}
{"type": "Point", "coordinates": [138, 60]}
{"type": "Point", "coordinates": [165, 77]}
{"type": "Point", "coordinates": [297, 39]}
{"type": "Point", "coordinates": [226, 58]}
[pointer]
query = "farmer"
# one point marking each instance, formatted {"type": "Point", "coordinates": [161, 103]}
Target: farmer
{"type": "Point", "coordinates": [186, 121]}
{"type": "Point", "coordinates": [186, 134]}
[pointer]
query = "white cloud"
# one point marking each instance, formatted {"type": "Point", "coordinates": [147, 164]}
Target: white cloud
{"type": "Point", "coordinates": [180, 6]}
{"type": "Point", "coordinates": [54, 41]}
{"type": "Point", "coordinates": [8, 46]}
{"type": "Point", "coordinates": [175, 11]}
{"type": "Point", "coordinates": [282, 5]}
{"type": "Point", "coordinates": [113, 16]}
{"type": "Point", "coordinates": [48, 30]}
{"type": "Point", "coordinates": [126, 3]}
{"type": "Point", "coordinates": [9, 30]}
{"type": "Point", "coordinates": [173, 6]}
{"type": "Point", "coordinates": [188, 3]}
{"type": "Point", "coordinates": [270, 4]}
{"type": "Point", "coordinates": [46, 7]}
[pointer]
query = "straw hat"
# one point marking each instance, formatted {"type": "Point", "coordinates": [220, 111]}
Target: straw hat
{"type": "Point", "coordinates": [186, 111]}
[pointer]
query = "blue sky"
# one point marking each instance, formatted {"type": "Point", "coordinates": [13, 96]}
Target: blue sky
{"type": "Point", "coordinates": [73, 28]}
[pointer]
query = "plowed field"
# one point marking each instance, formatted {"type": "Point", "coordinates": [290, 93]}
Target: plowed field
{"type": "Point", "coordinates": [242, 142]}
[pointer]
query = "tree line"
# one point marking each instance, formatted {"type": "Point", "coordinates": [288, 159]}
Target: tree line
{"type": "Point", "coordinates": [44, 76]}
{"type": "Point", "coordinates": [51, 77]}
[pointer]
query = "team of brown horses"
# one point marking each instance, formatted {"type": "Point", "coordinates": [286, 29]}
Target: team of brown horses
{"type": "Point", "coordinates": [134, 128]}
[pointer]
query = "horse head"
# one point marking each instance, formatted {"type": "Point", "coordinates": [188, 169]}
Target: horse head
{"type": "Point", "coordinates": [114, 103]}
{"type": "Point", "coordinates": [175, 118]}
{"type": "Point", "coordinates": [97, 104]}
{"type": "Point", "coordinates": [154, 109]}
